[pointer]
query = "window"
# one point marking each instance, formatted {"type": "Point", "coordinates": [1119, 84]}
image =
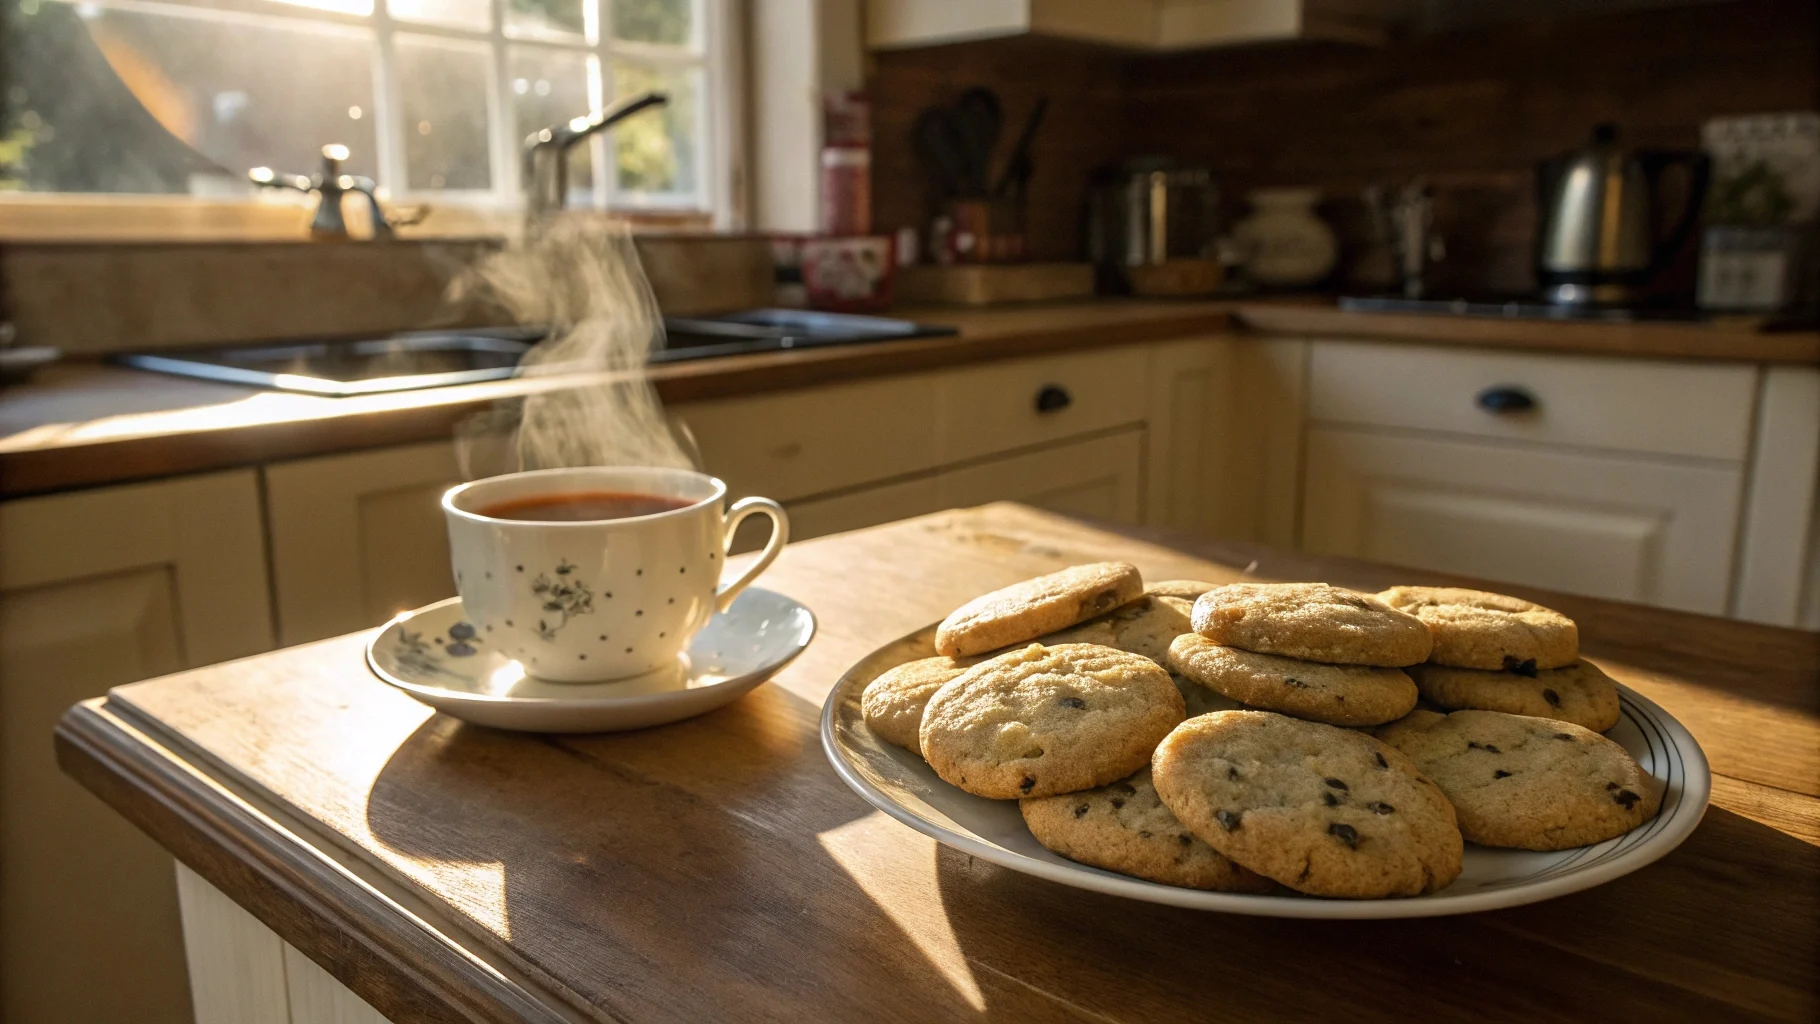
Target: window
{"type": "Point", "coordinates": [433, 98]}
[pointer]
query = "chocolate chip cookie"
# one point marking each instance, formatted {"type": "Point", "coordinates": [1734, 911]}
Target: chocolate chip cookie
{"type": "Point", "coordinates": [1027, 610]}
{"type": "Point", "coordinates": [1044, 720]}
{"type": "Point", "coordinates": [1335, 694]}
{"type": "Point", "coordinates": [1311, 621]}
{"type": "Point", "coordinates": [1579, 693]}
{"type": "Point", "coordinates": [1475, 629]}
{"type": "Point", "coordinates": [1187, 590]}
{"type": "Point", "coordinates": [1145, 626]}
{"type": "Point", "coordinates": [893, 703]}
{"type": "Point", "coordinates": [1124, 827]}
{"type": "Point", "coordinates": [1529, 783]}
{"type": "Point", "coordinates": [1324, 810]}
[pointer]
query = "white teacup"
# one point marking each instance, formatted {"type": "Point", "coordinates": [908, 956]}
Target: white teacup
{"type": "Point", "coordinates": [605, 598]}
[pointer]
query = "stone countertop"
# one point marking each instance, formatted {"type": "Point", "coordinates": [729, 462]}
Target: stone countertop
{"type": "Point", "coordinates": [85, 424]}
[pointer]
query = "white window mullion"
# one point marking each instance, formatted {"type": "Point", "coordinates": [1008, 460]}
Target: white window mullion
{"type": "Point", "coordinates": [507, 140]}
{"type": "Point", "coordinates": [388, 103]}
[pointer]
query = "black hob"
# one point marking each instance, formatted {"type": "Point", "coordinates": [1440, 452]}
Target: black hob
{"type": "Point", "coordinates": [1516, 309]}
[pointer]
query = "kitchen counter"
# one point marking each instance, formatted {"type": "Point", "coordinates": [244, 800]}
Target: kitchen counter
{"type": "Point", "coordinates": [717, 869]}
{"type": "Point", "coordinates": [84, 424]}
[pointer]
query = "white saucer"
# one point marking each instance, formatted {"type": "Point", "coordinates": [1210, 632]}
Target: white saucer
{"type": "Point", "coordinates": [435, 656]}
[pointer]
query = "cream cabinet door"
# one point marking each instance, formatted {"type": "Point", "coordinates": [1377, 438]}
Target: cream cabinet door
{"type": "Point", "coordinates": [1101, 479]}
{"type": "Point", "coordinates": [1654, 531]}
{"type": "Point", "coordinates": [358, 538]}
{"type": "Point", "coordinates": [100, 588]}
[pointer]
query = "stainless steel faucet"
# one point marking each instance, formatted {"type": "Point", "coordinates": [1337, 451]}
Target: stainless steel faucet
{"type": "Point", "coordinates": [328, 225]}
{"type": "Point", "coordinates": [546, 167]}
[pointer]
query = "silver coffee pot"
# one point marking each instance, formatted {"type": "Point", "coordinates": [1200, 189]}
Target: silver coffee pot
{"type": "Point", "coordinates": [1599, 242]}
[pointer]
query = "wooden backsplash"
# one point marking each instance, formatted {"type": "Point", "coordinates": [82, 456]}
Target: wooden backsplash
{"type": "Point", "coordinates": [1472, 110]}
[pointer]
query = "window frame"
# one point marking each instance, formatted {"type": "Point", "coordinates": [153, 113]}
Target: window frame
{"type": "Point", "coordinates": [498, 210]}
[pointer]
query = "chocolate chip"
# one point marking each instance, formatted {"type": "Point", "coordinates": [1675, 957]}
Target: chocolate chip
{"type": "Point", "coordinates": [1027, 785]}
{"type": "Point", "coordinates": [1228, 820]}
{"type": "Point", "coordinates": [1292, 681]}
{"type": "Point", "coordinates": [1500, 774]}
{"type": "Point", "coordinates": [1564, 736]}
{"type": "Point", "coordinates": [1522, 667]}
{"type": "Point", "coordinates": [1609, 786]}
{"type": "Point", "coordinates": [1626, 798]}
{"type": "Point", "coordinates": [1553, 698]}
{"type": "Point", "coordinates": [1184, 840]}
{"type": "Point", "coordinates": [1336, 784]}
{"type": "Point", "coordinates": [1330, 800]}
{"type": "Point", "coordinates": [1127, 788]}
{"type": "Point", "coordinates": [1078, 811]}
{"type": "Point", "coordinates": [1344, 833]}
{"type": "Point", "coordinates": [1142, 834]}
{"type": "Point", "coordinates": [1381, 762]}
{"type": "Point", "coordinates": [1073, 702]}
{"type": "Point", "coordinates": [1379, 807]}
{"type": "Point", "coordinates": [1232, 774]}
{"type": "Point", "coordinates": [1487, 747]}
{"type": "Point", "coordinates": [1118, 802]}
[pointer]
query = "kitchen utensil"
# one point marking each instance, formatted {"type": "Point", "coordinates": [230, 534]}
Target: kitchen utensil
{"type": "Point", "coordinates": [958, 142]}
{"type": "Point", "coordinates": [943, 150]}
{"type": "Point", "coordinates": [1014, 182]}
{"type": "Point", "coordinates": [438, 656]}
{"type": "Point", "coordinates": [1405, 219]}
{"type": "Point", "coordinates": [901, 784]}
{"type": "Point", "coordinates": [1599, 241]}
{"type": "Point", "coordinates": [1149, 210]}
{"type": "Point", "coordinates": [604, 598]}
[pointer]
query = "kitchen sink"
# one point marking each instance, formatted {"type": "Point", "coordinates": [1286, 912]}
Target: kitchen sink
{"type": "Point", "coordinates": [429, 359]}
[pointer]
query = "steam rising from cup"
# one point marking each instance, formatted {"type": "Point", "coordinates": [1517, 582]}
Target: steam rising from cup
{"type": "Point", "coordinates": [581, 277]}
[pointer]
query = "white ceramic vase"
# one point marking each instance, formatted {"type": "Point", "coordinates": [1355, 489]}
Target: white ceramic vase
{"type": "Point", "coordinates": [1283, 243]}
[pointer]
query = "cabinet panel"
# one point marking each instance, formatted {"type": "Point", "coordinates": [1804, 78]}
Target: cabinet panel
{"type": "Point", "coordinates": [1656, 532]}
{"type": "Point", "coordinates": [1636, 405]}
{"type": "Point", "coordinates": [869, 507]}
{"type": "Point", "coordinates": [801, 443]}
{"type": "Point", "coordinates": [1780, 555]}
{"type": "Point", "coordinates": [1100, 479]}
{"type": "Point", "coordinates": [994, 408]}
{"type": "Point", "coordinates": [98, 589]}
{"type": "Point", "coordinates": [358, 538]}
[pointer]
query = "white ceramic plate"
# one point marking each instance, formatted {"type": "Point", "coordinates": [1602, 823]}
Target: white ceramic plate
{"type": "Point", "coordinates": [435, 656]}
{"type": "Point", "coordinates": [899, 783]}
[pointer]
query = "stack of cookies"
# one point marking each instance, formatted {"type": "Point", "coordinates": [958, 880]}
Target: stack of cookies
{"type": "Point", "coordinates": [1089, 730]}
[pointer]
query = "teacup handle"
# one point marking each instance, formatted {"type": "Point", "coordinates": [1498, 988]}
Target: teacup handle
{"type": "Point", "coordinates": [780, 535]}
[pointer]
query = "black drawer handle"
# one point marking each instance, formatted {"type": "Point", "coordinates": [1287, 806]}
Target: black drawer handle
{"type": "Point", "coordinates": [1504, 398]}
{"type": "Point", "coordinates": [1053, 397]}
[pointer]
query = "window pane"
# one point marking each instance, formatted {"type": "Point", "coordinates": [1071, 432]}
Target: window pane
{"type": "Point", "coordinates": [550, 87]}
{"type": "Point", "coordinates": [656, 150]}
{"type": "Point", "coordinates": [547, 19]}
{"type": "Point", "coordinates": [671, 22]}
{"type": "Point", "coordinates": [470, 14]}
{"type": "Point", "coordinates": [126, 101]}
{"type": "Point", "coordinates": [443, 88]}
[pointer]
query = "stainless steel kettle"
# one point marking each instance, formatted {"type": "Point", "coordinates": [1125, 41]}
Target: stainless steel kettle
{"type": "Point", "coordinates": [1599, 243]}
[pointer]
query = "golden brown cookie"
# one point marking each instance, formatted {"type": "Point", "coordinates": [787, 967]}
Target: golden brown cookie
{"type": "Point", "coordinates": [1311, 621]}
{"type": "Point", "coordinates": [1027, 610]}
{"type": "Point", "coordinates": [1124, 827]}
{"type": "Point", "coordinates": [1187, 590]}
{"type": "Point", "coordinates": [1044, 720]}
{"type": "Point", "coordinates": [1145, 626]}
{"type": "Point", "coordinates": [1529, 783]}
{"type": "Point", "coordinates": [1476, 629]}
{"type": "Point", "coordinates": [1579, 693]}
{"type": "Point", "coordinates": [893, 703]}
{"type": "Point", "coordinates": [1335, 694]}
{"type": "Point", "coordinates": [1324, 810]}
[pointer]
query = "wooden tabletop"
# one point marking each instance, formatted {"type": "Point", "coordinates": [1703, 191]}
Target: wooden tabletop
{"type": "Point", "coordinates": [718, 870]}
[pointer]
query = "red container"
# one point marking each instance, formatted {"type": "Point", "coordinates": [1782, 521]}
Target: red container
{"type": "Point", "coordinates": [851, 274]}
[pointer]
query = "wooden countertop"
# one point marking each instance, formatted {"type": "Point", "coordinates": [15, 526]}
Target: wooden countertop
{"type": "Point", "coordinates": [717, 869]}
{"type": "Point", "coordinates": [84, 424]}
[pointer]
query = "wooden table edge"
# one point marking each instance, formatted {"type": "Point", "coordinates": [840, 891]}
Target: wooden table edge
{"type": "Point", "coordinates": [382, 952]}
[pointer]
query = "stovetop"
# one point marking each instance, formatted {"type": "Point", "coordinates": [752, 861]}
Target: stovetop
{"type": "Point", "coordinates": [1518, 308]}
